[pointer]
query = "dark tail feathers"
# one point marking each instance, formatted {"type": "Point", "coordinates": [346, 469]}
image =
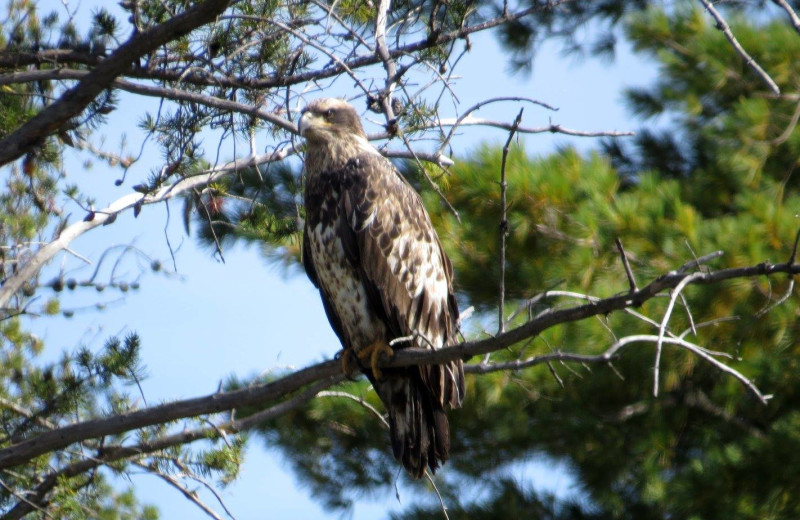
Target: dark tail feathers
{"type": "Point", "coordinates": [418, 424]}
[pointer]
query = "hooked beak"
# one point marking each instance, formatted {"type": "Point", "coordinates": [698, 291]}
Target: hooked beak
{"type": "Point", "coordinates": [307, 120]}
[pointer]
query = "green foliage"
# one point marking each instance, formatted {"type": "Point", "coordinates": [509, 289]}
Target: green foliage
{"type": "Point", "coordinates": [84, 384]}
{"type": "Point", "coordinates": [259, 205]}
{"type": "Point", "coordinates": [726, 127]}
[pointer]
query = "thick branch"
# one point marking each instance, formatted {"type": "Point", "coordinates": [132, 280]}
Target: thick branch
{"type": "Point", "coordinates": [15, 59]}
{"type": "Point", "coordinates": [259, 395]}
{"type": "Point", "coordinates": [76, 99]}
{"type": "Point", "coordinates": [38, 497]}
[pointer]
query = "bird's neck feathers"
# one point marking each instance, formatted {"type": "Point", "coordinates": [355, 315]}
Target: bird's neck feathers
{"type": "Point", "coordinates": [332, 154]}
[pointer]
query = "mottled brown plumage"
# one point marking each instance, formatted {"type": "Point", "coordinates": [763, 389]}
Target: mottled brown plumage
{"type": "Point", "coordinates": [370, 248]}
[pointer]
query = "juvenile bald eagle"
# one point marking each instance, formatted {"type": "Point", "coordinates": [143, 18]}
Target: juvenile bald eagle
{"type": "Point", "coordinates": [370, 248]}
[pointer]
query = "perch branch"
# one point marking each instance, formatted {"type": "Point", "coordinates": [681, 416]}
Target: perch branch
{"type": "Point", "coordinates": [58, 439]}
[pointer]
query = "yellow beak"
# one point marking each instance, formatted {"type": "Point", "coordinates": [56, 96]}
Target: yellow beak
{"type": "Point", "coordinates": [308, 121]}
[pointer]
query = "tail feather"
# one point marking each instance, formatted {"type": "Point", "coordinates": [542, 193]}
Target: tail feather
{"type": "Point", "coordinates": [418, 424]}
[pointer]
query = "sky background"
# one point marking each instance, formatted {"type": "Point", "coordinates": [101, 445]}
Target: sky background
{"type": "Point", "coordinates": [243, 317]}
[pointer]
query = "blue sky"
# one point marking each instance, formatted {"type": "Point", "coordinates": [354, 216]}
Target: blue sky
{"type": "Point", "coordinates": [247, 317]}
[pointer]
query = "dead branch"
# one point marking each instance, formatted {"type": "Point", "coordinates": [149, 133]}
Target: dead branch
{"type": "Point", "coordinates": [626, 264]}
{"type": "Point", "coordinates": [793, 18]}
{"type": "Point", "coordinates": [475, 121]}
{"type": "Point", "coordinates": [723, 26]}
{"type": "Point", "coordinates": [128, 202]}
{"type": "Point", "coordinates": [675, 293]}
{"type": "Point", "coordinates": [466, 116]}
{"type": "Point", "coordinates": [504, 225]}
{"type": "Point", "coordinates": [328, 371]}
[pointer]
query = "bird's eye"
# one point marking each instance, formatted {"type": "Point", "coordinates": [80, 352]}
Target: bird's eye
{"type": "Point", "coordinates": [329, 114]}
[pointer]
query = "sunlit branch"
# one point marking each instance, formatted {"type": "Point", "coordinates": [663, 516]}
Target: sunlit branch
{"type": "Point", "coordinates": [128, 202]}
{"type": "Point", "coordinates": [793, 18]}
{"type": "Point", "coordinates": [468, 113]}
{"type": "Point", "coordinates": [58, 439]}
{"type": "Point", "coordinates": [723, 26]}
{"type": "Point", "coordinates": [675, 293]}
{"type": "Point", "coordinates": [382, 51]}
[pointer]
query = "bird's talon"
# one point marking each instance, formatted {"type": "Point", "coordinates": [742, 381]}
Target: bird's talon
{"type": "Point", "coordinates": [373, 352]}
{"type": "Point", "coordinates": [349, 368]}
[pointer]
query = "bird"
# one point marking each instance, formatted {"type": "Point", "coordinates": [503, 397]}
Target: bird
{"type": "Point", "coordinates": [370, 248]}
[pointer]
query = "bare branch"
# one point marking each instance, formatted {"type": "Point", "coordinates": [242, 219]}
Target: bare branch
{"type": "Point", "coordinates": [388, 64]}
{"type": "Point", "coordinates": [551, 128]}
{"type": "Point", "coordinates": [155, 91]}
{"type": "Point", "coordinates": [190, 495]}
{"type": "Point", "coordinates": [116, 453]}
{"type": "Point", "coordinates": [125, 203]}
{"type": "Point", "coordinates": [466, 116]}
{"type": "Point", "coordinates": [627, 266]}
{"type": "Point", "coordinates": [723, 26]}
{"type": "Point", "coordinates": [783, 4]}
{"type": "Point", "coordinates": [504, 226]}
{"type": "Point", "coordinates": [676, 292]}
{"type": "Point", "coordinates": [330, 370]}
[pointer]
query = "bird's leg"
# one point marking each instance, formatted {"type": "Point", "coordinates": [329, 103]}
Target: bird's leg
{"type": "Point", "coordinates": [349, 367]}
{"type": "Point", "coordinates": [373, 352]}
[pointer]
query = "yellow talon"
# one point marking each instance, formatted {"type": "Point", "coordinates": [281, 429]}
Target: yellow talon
{"type": "Point", "coordinates": [348, 368]}
{"type": "Point", "coordinates": [373, 352]}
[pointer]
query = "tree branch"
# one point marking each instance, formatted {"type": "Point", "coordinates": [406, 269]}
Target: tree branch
{"type": "Point", "coordinates": [198, 78]}
{"type": "Point", "coordinates": [793, 18]}
{"type": "Point", "coordinates": [111, 454]}
{"type": "Point", "coordinates": [504, 226]}
{"type": "Point", "coordinates": [723, 26]}
{"type": "Point", "coordinates": [76, 99]}
{"type": "Point", "coordinates": [259, 395]}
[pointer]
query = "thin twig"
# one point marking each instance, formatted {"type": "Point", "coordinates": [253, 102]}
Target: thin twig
{"type": "Point", "coordinates": [436, 489]}
{"type": "Point", "coordinates": [504, 225]}
{"type": "Point", "coordinates": [475, 121]}
{"type": "Point", "coordinates": [723, 26]}
{"type": "Point", "coordinates": [468, 112]}
{"type": "Point", "coordinates": [662, 329]}
{"type": "Point", "coordinates": [190, 495]}
{"type": "Point", "coordinates": [698, 262]}
{"type": "Point", "coordinates": [794, 248]}
{"type": "Point", "coordinates": [785, 296]}
{"type": "Point", "coordinates": [388, 64]}
{"type": "Point", "coordinates": [359, 400]}
{"type": "Point", "coordinates": [789, 130]}
{"type": "Point", "coordinates": [627, 266]}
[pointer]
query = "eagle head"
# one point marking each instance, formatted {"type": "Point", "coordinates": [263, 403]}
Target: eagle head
{"type": "Point", "coordinates": [329, 119]}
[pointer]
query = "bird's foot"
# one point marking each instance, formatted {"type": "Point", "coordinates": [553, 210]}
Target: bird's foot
{"type": "Point", "coordinates": [373, 352]}
{"type": "Point", "coordinates": [349, 363]}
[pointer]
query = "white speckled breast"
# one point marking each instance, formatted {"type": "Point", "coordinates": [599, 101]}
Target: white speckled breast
{"type": "Point", "coordinates": [343, 289]}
